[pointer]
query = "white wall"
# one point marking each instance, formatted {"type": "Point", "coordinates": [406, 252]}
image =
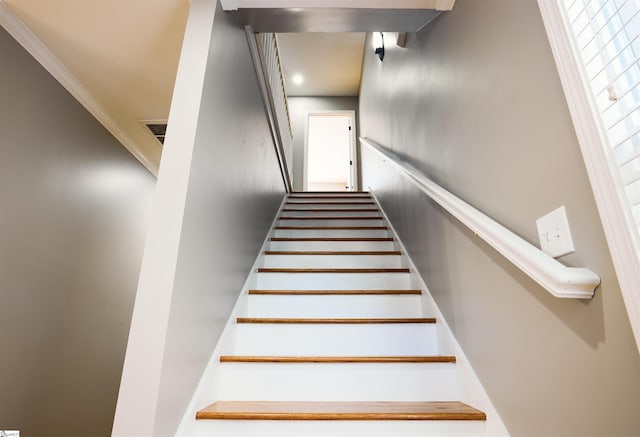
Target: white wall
{"type": "Point", "coordinates": [219, 187]}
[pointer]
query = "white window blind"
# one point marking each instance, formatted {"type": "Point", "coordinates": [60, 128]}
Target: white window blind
{"type": "Point", "coordinates": [607, 35]}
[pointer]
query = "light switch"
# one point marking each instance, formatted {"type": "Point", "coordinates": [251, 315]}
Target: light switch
{"type": "Point", "coordinates": [555, 234]}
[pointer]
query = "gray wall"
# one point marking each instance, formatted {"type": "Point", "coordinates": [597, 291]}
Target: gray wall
{"type": "Point", "coordinates": [475, 102]}
{"type": "Point", "coordinates": [75, 206]}
{"type": "Point", "coordinates": [298, 107]}
{"type": "Point", "coordinates": [235, 188]}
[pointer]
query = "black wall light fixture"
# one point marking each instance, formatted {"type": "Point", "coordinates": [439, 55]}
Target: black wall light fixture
{"type": "Point", "coordinates": [378, 44]}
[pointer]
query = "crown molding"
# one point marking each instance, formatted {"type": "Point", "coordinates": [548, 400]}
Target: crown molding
{"type": "Point", "coordinates": [36, 48]}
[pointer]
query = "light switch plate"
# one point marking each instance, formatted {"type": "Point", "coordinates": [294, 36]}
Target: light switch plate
{"type": "Point", "coordinates": [555, 234]}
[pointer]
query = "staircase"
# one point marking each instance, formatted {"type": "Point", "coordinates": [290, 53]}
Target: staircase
{"type": "Point", "coordinates": [333, 340]}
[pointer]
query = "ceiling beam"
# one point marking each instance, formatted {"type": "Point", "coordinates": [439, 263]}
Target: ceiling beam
{"type": "Point", "coordinates": [438, 5]}
{"type": "Point", "coordinates": [335, 19]}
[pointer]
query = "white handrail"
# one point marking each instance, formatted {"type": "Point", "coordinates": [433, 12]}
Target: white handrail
{"type": "Point", "coordinates": [558, 279]}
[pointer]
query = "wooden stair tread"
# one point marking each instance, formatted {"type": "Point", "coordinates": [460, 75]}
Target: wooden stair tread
{"type": "Point", "coordinates": [331, 210]}
{"type": "Point", "coordinates": [345, 359]}
{"type": "Point", "coordinates": [340, 411]}
{"type": "Point", "coordinates": [342, 193]}
{"type": "Point", "coordinates": [331, 239]}
{"type": "Point", "coordinates": [333, 228]}
{"type": "Point", "coordinates": [334, 292]}
{"type": "Point", "coordinates": [332, 252]}
{"type": "Point", "coordinates": [332, 218]}
{"type": "Point", "coordinates": [330, 270]}
{"type": "Point", "coordinates": [334, 321]}
{"type": "Point", "coordinates": [330, 203]}
{"type": "Point", "coordinates": [330, 197]}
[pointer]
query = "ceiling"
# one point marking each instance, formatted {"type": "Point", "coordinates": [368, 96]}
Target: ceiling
{"type": "Point", "coordinates": [330, 63]}
{"type": "Point", "coordinates": [123, 52]}
{"type": "Point", "coordinates": [122, 55]}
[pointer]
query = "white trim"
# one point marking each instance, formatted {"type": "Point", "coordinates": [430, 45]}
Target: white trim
{"type": "Point", "coordinates": [616, 220]}
{"type": "Point", "coordinates": [556, 278]}
{"type": "Point", "coordinates": [137, 404]}
{"type": "Point", "coordinates": [353, 150]}
{"type": "Point", "coordinates": [353, 154]}
{"type": "Point", "coordinates": [230, 5]}
{"type": "Point", "coordinates": [36, 48]}
{"type": "Point", "coordinates": [153, 121]}
{"type": "Point", "coordinates": [305, 153]}
{"type": "Point", "coordinates": [206, 391]}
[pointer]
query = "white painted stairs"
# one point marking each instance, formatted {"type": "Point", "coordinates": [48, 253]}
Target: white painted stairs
{"type": "Point", "coordinates": [332, 337]}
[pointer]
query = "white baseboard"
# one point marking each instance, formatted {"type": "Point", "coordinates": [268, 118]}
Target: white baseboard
{"type": "Point", "coordinates": [207, 390]}
{"type": "Point", "coordinates": [470, 389]}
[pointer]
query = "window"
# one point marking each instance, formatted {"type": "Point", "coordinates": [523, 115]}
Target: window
{"type": "Point", "coordinates": [607, 34]}
{"type": "Point", "coordinates": [596, 45]}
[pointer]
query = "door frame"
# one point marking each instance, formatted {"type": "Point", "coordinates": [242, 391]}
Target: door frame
{"type": "Point", "coordinates": [353, 152]}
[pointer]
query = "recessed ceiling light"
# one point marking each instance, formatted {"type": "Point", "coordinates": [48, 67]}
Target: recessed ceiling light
{"type": "Point", "coordinates": [298, 79]}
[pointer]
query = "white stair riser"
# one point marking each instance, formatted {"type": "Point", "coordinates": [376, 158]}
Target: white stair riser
{"type": "Point", "coordinates": [341, 194]}
{"type": "Point", "coordinates": [334, 381]}
{"type": "Point", "coordinates": [338, 382]}
{"type": "Point", "coordinates": [338, 201]}
{"type": "Point", "coordinates": [335, 340]}
{"type": "Point", "coordinates": [331, 233]}
{"type": "Point", "coordinates": [321, 222]}
{"type": "Point", "coordinates": [331, 245]}
{"type": "Point", "coordinates": [362, 213]}
{"type": "Point", "coordinates": [333, 281]}
{"type": "Point", "coordinates": [343, 428]}
{"type": "Point", "coordinates": [334, 261]}
{"type": "Point", "coordinates": [365, 306]}
{"type": "Point", "coordinates": [312, 207]}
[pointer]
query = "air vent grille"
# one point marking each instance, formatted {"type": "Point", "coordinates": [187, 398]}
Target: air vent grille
{"type": "Point", "coordinates": [158, 129]}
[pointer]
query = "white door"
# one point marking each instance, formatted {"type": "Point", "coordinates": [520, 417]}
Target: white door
{"type": "Point", "coordinates": [330, 162]}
